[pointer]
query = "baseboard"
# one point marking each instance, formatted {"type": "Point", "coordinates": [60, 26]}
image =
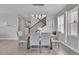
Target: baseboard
{"type": "Point", "coordinates": [8, 38]}
{"type": "Point", "coordinates": [73, 49]}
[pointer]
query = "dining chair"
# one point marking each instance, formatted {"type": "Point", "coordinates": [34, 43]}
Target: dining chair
{"type": "Point", "coordinates": [22, 39]}
{"type": "Point", "coordinates": [45, 40]}
{"type": "Point", "coordinates": [34, 40]}
{"type": "Point", "coordinates": [55, 41]}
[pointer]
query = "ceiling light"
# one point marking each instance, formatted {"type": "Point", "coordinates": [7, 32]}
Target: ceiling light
{"type": "Point", "coordinates": [38, 4]}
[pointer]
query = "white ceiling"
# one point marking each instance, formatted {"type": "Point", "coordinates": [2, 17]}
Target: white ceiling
{"type": "Point", "coordinates": [30, 9]}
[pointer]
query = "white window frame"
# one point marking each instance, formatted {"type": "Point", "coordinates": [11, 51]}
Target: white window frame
{"type": "Point", "coordinates": [72, 26]}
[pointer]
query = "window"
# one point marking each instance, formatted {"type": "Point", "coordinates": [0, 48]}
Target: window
{"type": "Point", "coordinates": [73, 22]}
{"type": "Point", "coordinates": [61, 23]}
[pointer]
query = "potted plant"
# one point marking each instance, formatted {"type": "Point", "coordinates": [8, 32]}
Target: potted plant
{"type": "Point", "coordinates": [55, 34]}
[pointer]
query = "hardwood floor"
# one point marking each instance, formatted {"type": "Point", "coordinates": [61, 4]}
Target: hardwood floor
{"type": "Point", "coordinates": [10, 47]}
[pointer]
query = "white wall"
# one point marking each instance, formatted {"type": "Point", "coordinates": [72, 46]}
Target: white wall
{"type": "Point", "coordinates": [8, 31]}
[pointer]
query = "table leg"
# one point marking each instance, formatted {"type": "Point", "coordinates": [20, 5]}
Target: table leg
{"type": "Point", "coordinates": [28, 43]}
{"type": "Point", "coordinates": [50, 44]}
{"type": "Point", "coordinates": [39, 46]}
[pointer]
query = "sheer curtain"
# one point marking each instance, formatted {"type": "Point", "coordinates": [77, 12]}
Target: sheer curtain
{"type": "Point", "coordinates": [73, 22]}
{"type": "Point", "coordinates": [61, 23]}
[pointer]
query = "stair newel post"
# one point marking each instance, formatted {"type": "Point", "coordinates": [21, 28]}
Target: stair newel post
{"type": "Point", "coordinates": [28, 40]}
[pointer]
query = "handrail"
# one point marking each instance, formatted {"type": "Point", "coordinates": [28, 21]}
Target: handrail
{"type": "Point", "coordinates": [42, 20]}
{"type": "Point", "coordinates": [34, 25]}
{"type": "Point", "coordinates": [38, 22]}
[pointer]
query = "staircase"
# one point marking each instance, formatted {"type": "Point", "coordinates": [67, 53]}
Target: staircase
{"type": "Point", "coordinates": [32, 26]}
{"type": "Point", "coordinates": [40, 23]}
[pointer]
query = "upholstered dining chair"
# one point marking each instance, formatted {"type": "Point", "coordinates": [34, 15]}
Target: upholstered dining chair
{"type": "Point", "coordinates": [45, 40]}
{"type": "Point", "coordinates": [34, 40]}
{"type": "Point", "coordinates": [55, 40]}
{"type": "Point", "coordinates": [22, 40]}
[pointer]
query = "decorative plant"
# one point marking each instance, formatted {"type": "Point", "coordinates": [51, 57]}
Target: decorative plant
{"type": "Point", "coordinates": [54, 33]}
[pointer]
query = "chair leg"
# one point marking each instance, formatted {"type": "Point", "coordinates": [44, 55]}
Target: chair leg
{"type": "Point", "coordinates": [40, 46]}
{"type": "Point", "coordinates": [28, 43]}
{"type": "Point", "coordinates": [30, 49]}
{"type": "Point", "coordinates": [49, 49]}
{"type": "Point", "coordinates": [50, 44]}
{"type": "Point", "coordinates": [58, 44]}
{"type": "Point", "coordinates": [19, 47]}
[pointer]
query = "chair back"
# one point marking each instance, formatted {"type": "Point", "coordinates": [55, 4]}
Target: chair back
{"type": "Point", "coordinates": [22, 36]}
{"type": "Point", "coordinates": [34, 39]}
{"type": "Point", "coordinates": [45, 39]}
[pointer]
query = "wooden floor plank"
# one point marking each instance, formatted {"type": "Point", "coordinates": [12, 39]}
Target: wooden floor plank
{"type": "Point", "coordinates": [10, 47]}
